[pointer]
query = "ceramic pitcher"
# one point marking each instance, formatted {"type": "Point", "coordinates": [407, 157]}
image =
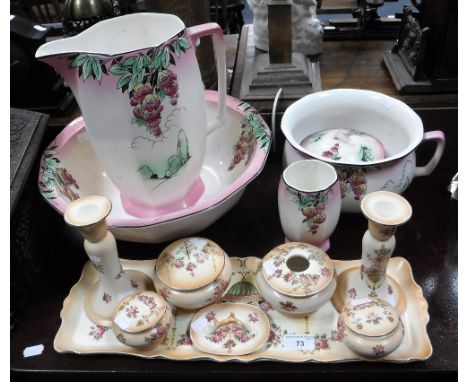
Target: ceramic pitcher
{"type": "Point", "coordinates": [138, 85]}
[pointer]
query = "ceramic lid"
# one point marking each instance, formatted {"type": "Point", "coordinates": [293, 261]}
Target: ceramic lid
{"type": "Point", "coordinates": [297, 269]}
{"type": "Point", "coordinates": [370, 317]}
{"type": "Point", "coordinates": [190, 263]}
{"type": "Point", "coordinates": [139, 312]}
{"type": "Point", "coordinates": [230, 329]}
{"type": "Point", "coordinates": [345, 145]}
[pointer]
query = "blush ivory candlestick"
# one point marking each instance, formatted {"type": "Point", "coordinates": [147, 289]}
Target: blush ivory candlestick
{"type": "Point", "coordinates": [88, 214]}
{"type": "Point", "coordinates": [385, 211]}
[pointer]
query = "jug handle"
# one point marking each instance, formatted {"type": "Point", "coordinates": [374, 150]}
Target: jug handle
{"type": "Point", "coordinates": [194, 33]}
{"type": "Point", "coordinates": [439, 137]}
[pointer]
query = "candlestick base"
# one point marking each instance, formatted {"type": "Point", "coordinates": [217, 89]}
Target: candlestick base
{"type": "Point", "coordinates": [94, 298]}
{"type": "Point", "coordinates": [350, 286]}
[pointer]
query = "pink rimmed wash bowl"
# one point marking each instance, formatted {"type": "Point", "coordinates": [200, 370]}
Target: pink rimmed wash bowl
{"type": "Point", "coordinates": [236, 154]}
{"type": "Point", "coordinates": [362, 122]}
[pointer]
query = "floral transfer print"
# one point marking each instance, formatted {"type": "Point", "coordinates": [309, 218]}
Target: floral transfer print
{"type": "Point", "coordinates": [146, 77]}
{"type": "Point", "coordinates": [357, 320]}
{"type": "Point", "coordinates": [107, 298]}
{"type": "Point", "coordinates": [253, 132]}
{"type": "Point", "coordinates": [374, 266]}
{"type": "Point", "coordinates": [288, 306]}
{"type": "Point", "coordinates": [132, 311]}
{"type": "Point", "coordinates": [312, 206]}
{"type": "Point", "coordinates": [220, 288]}
{"type": "Point", "coordinates": [230, 334]}
{"type": "Point", "coordinates": [54, 178]}
{"type": "Point", "coordinates": [173, 165]}
{"type": "Point", "coordinates": [352, 180]}
{"type": "Point", "coordinates": [187, 257]}
{"type": "Point", "coordinates": [352, 293]}
{"type": "Point", "coordinates": [185, 340]}
{"type": "Point", "coordinates": [298, 280]}
{"type": "Point", "coordinates": [97, 332]}
{"type": "Point", "coordinates": [157, 332]}
{"type": "Point", "coordinates": [276, 335]}
{"type": "Point", "coordinates": [333, 153]}
{"type": "Point", "coordinates": [379, 350]}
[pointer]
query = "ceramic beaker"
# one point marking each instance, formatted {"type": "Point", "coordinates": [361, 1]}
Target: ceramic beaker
{"type": "Point", "coordinates": [309, 202]}
{"type": "Point", "coordinates": [137, 82]}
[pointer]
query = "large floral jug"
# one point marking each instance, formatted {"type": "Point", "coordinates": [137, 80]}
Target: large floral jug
{"type": "Point", "coordinates": [137, 82]}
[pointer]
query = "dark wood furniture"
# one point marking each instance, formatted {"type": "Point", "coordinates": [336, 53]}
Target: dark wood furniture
{"type": "Point", "coordinates": [429, 242]}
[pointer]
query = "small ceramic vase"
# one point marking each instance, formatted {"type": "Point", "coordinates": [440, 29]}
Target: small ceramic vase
{"type": "Point", "coordinates": [191, 273]}
{"type": "Point", "coordinates": [385, 212]}
{"type": "Point", "coordinates": [309, 202]}
{"type": "Point", "coordinates": [142, 320]}
{"type": "Point", "coordinates": [370, 327]}
{"type": "Point", "coordinates": [88, 214]}
{"type": "Point", "coordinates": [296, 278]}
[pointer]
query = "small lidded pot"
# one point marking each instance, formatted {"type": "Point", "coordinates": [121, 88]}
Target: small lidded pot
{"type": "Point", "coordinates": [296, 278]}
{"type": "Point", "coordinates": [191, 273]}
{"type": "Point", "coordinates": [370, 327]}
{"type": "Point", "coordinates": [142, 320]}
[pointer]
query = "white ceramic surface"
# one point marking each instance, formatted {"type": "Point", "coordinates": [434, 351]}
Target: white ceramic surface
{"type": "Point", "coordinates": [142, 320]}
{"type": "Point", "coordinates": [344, 145]}
{"type": "Point", "coordinates": [370, 327]}
{"type": "Point", "coordinates": [230, 329]}
{"type": "Point", "coordinates": [136, 79]}
{"type": "Point", "coordinates": [88, 214]}
{"type": "Point", "coordinates": [296, 278]}
{"type": "Point", "coordinates": [309, 202]}
{"type": "Point", "coordinates": [236, 153]}
{"type": "Point", "coordinates": [191, 273]}
{"type": "Point", "coordinates": [77, 334]}
{"type": "Point", "coordinates": [392, 122]}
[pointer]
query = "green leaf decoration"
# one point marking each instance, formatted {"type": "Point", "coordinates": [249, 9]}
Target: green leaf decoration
{"type": "Point", "coordinates": [50, 162]}
{"type": "Point", "coordinates": [174, 163]}
{"type": "Point", "coordinates": [49, 194]}
{"type": "Point", "coordinates": [129, 62]}
{"type": "Point", "coordinates": [146, 61]}
{"type": "Point", "coordinates": [118, 70]}
{"type": "Point", "coordinates": [160, 94]}
{"type": "Point", "coordinates": [183, 43]}
{"type": "Point", "coordinates": [317, 137]}
{"type": "Point", "coordinates": [165, 59]}
{"type": "Point", "coordinates": [157, 62]}
{"type": "Point", "coordinates": [182, 147]}
{"type": "Point", "coordinates": [87, 68]}
{"type": "Point", "coordinates": [137, 64]}
{"type": "Point", "coordinates": [366, 154]}
{"type": "Point", "coordinates": [96, 68]}
{"type": "Point", "coordinates": [244, 106]}
{"type": "Point", "coordinates": [79, 60]}
{"type": "Point", "coordinates": [254, 119]}
{"type": "Point", "coordinates": [176, 49]}
{"type": "Point", "coordinates": [123, 81]}
{"type": "Point", "coordinates": [136, 79]}
{"type": "Point", "coordinates": [146, 172]}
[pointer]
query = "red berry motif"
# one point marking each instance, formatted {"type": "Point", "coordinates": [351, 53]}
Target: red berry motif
{"type": "Point", "coordinates": [312, 206]}
{"type": "Point", "coordinates": [357, 182]}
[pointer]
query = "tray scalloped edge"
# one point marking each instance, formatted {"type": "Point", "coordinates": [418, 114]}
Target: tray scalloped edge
{"type": "Point", "coordinates": [86, 343]}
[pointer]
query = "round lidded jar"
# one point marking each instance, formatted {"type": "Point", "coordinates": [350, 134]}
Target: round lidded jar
{"type": "Point", "coordinates": [191, 273]}
{"type": "Point", "coordinates": [370, 327]}
{"type": "Point", "coordinates": [296, 278]}
{"type": "Point", "coordinates": [142, 320]}
{"type": "Point", "coordinates": [344, 145]}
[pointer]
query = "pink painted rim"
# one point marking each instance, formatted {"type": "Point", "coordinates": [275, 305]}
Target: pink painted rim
{"type": "Point", "coordinates": [251, 172]}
